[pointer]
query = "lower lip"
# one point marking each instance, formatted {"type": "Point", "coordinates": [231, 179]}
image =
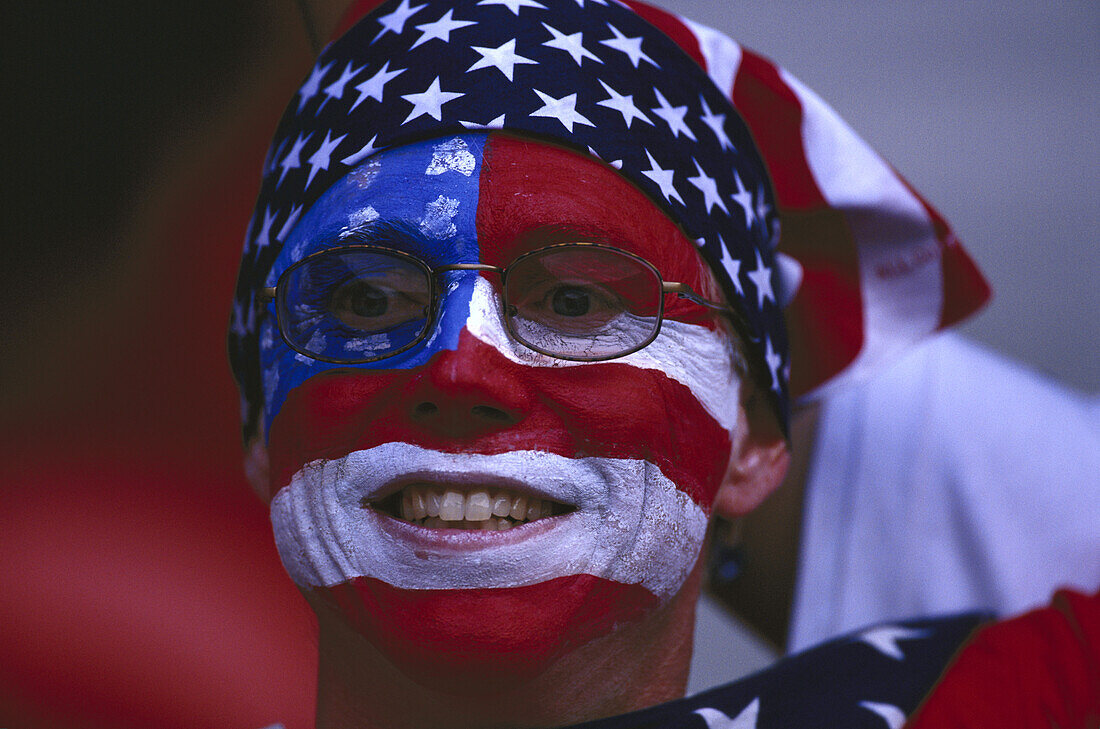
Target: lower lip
{"type": "Point", "coordinates": [464, 539]}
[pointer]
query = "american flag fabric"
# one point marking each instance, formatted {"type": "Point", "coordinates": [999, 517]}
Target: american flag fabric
{"type": "Point", "coordinates": [591, 75]}
{"type": "Point", "coordinates": [872, 679]}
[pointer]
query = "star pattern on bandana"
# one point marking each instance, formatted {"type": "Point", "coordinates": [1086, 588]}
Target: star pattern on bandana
{"type": "Point", "coordinates": [589, 74]}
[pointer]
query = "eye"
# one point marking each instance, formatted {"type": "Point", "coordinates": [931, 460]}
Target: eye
{"type": "Point", "coordinates": [373, 307]}
{"type": "Point", "coordinates": [570, 301]}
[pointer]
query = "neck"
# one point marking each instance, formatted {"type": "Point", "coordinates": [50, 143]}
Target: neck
{"type": "Point", "coordinates": [638, 664]}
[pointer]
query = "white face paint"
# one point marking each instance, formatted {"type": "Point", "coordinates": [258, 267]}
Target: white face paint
{"type": "Point", "coordinates": [631, 524]}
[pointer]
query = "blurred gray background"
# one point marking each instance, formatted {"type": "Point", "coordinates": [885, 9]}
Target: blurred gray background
{"type": "Point", "coordinates": [991, 111]}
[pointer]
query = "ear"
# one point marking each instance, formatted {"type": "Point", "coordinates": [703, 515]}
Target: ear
{"type": "Point", "coordinates": [257, 468]}
{"type": "Point", "coordinates": [758, 461]}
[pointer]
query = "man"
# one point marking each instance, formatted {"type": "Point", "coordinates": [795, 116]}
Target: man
{"type": "Point", "coordinates": [509, 334]}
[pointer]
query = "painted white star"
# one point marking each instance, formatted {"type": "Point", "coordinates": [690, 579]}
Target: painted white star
{"type": "Point", "coordinates": [716, 719]}
{"type": "Point", "coordinates": [503, 58]}
{"type": "Point", "coordinates": [632, 47]}
{"type": "Point", "coordinates": [395, 22]}
{"type": "Point", "coordinates": [440, 29]}
{"type": "Point", "coordinates": [335, 90]}
{"type": "Point", "coordinates": [624, 105]}
{"type": "Point", "coordinates": [773, 360]}
{"type": "Point", "coordinates": [514, 5]}
{"type": "Point", "coordinates": [263, 238]}
{"type": "Point", "coordinates": [884, 639]}
{"type": "Point", "coordinates": [762, 278]}
{"type": "Point", "coordinates": [291, 161]}
{"type": "Point", "coordinates": [673, 116]}
{"type": "Point", "coordinates": [707, 185]}
{"type": "Point", "coordinates": [313, 83]}
{"type": "Point", "coordinates": [733, 267]}
{"type": "Point", "coordinates": [572, 44]}
{"type": "Point", "coordinates": [616, 163]}
{"type": "Point", "coordinates": [663, 178]}
{"type": "Point", "coordinates": [717, 124]}
{"type": "Point", "coordinates": [373, 87]}
{"type": "Point", "coordinates": [895, 717]}
{"type": "Point", "coordinates": [429, 101]}
{"type": "Point", "coordinates": [274, 154]}
{"type": "Point", "coordinates": [319, 160]}
{"type": "Point", "coordinates": [366, 151]}
{"type": "Point", "coordinates": [744, 199]}
{"type": "Point", "coordinates": [289, 224]}
{"type": "Point", "coordinates": [563, 109]}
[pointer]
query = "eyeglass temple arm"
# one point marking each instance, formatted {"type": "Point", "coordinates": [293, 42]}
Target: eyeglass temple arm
{"type": "Point", "coordinates": [686, 292]}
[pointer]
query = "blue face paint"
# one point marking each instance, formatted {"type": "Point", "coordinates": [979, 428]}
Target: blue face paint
{"type": "Point", "coordinates": [430, 187]}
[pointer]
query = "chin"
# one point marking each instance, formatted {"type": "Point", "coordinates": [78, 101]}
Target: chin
{"type": "Point", "coordinates": [474, 640]}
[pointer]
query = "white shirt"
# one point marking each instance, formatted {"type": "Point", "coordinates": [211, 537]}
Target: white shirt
{"type": "Point", "coordinates": [951, 481]}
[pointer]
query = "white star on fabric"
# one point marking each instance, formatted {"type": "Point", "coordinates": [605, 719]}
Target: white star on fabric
{"type": "Point", "coordinates": [373, 87]}
{"type": "Point", "coordinates": [632, 47]}
{"type": "Point", "coordinates": [497, 123]}
{"type": "Point", "coordinates": [716, 719]}
{"type": "Point", "coordinates": [571, 44]}
{"type": "Point", "coordinates": [617, 163]}
{"type": "Point", "coordinates": [440, 29]}
{"type": "Point", "coordinates": [624, 105]}
{"type": "Point", "coordinates": [312, 84]}
{"type": "Point", "coordinates": [761, 206]}
{"type": "Point", "coordinates": [289, 224]}
{"type": "Point", "coordinates": [319, 160]}
{"type": "Point", "coordinates": [242, 323]}
{"type": "Point", "coordinates": [395, 22]}
{"type": "Point", "coordinates": [773, 360]}
{"type": "Point", "coordinates": [429, 102]}
{"type": "Point", "coordinates": [514, 5]}
{"type": "Point", "coordinates": [663, 178]}
{"type": "Point", "coordinates": [674, 117]}
{"type": "Point", "coordinates": [263, 238]}
{"type": "Point", "coordinates": [762, 278]}
{"type": "Point", "coordinates": [503, 58]}
{"type": "Point", "coordinates": [335, 90]}
{"type": "Point", "coordinates": [291, 161]}
{"type": "Point", "coordinates": [733, 267]}
{"type": "Point", "coordinates": [717, 124]}
{"type": "Point", "coordinates": [598, 2]}
{"type": "Point", "coordinates": [707, 185]}
{"type": "Point", "coordinates": [895, 717]}
{"type": "Point", "coordinates": [563, 109]}
{"type": "Point", "coordinates": [744, 199]}
{"type": "Point", "coordinates": [884, 639]}
{"type": "Point", "coordinates": [366, 151]}
{"type": "Point", "coordinates": [273, 154]}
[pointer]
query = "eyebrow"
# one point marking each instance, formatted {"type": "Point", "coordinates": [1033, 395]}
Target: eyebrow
{"type": "Point", "coordinates": [383, 233]}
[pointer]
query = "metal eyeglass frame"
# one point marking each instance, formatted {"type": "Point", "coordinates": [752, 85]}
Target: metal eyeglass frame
{"type": "Point", "coordinates": [682, 290]}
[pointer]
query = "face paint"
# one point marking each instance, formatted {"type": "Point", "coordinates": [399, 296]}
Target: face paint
{"type": "Point", "coordinates": [629, 452]}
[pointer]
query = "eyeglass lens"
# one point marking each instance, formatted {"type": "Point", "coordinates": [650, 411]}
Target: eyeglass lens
{"type": "Point", "coordinates": [577, 302]}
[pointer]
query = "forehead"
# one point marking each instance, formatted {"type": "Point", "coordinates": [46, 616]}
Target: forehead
{"type": "Point", "coordinates": [488, 198]}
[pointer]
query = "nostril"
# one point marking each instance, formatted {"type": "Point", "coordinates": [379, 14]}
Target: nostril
{"type": "Point", "coordinates": [489, 413]}
{"type": "Point", "coordinates": [425, 408]}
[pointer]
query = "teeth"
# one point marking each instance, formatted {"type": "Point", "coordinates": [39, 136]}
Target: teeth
{"type": "Point", "coordinates": [478, 509]}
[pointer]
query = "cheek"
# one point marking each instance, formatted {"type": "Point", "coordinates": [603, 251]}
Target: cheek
{"type": "Point", "coordinates": [609, 409]}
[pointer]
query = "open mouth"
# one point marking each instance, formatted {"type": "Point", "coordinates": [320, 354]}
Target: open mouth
{"type": "Point", "coordinates": [456, 507]}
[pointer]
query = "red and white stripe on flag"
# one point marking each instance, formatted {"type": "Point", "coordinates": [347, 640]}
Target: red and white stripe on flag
{"type": "Point", "coordinates": [881, 269]}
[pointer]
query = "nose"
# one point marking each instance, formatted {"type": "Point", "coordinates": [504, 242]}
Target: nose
{"type": "Point", "coordinates": [473, 389]}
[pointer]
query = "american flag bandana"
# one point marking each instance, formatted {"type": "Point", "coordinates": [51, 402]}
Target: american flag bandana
{"type": "Point", "coordinates": [587, 74]}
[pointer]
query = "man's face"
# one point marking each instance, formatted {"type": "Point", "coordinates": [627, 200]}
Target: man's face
{"type": "Point", "coordinates": [571, 496]}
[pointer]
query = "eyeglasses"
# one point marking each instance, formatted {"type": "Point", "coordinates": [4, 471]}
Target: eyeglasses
{"type": "Point", "coordinates": [582, 302]}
